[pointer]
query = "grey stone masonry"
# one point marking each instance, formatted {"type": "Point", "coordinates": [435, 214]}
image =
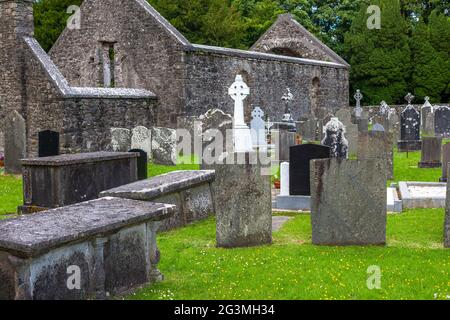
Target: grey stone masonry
{"type": "Point", "coordinates": [110, 242]}
{"type": "Point", "coordinates": [243, 205]}
{"type": "Point", "coordinates": [58, 181]}
{"type": "Point", "coordinates": [190, 191]}
{"type": "Point", "coordinates": [348, 202]}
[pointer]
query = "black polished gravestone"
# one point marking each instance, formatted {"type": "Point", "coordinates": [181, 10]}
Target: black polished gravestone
{"type": "Point", "coordinates": [48, 143]}
{"type": "Point", "coordinates": [410, 130]}
{"type": "Point", "coordinates": [299, 170]}
{"type": "Point", "coordinates": [442, 122]}
{"type": "Point", "coordinates": [142, 172]}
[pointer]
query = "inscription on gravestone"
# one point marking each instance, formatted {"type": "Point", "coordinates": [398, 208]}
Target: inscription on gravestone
{"type": "Point", "coordinates": [299, 170]}
{"type": "Point", "coordinates": [48, 143]}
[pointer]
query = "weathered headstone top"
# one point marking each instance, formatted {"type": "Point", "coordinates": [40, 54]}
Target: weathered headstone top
{"type": "Point", "coordinates": [78, 158]}
{"type": "Point", "coordinates": [334, 132]}
{"type": "Point", "coordinates": [427, 103]}
{"type": "Point", "coordinates": [378, 127]}
{"type": "Point", "coordinates": [384, 108]}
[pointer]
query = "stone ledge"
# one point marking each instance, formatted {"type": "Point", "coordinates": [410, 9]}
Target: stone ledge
{"type": "Point", "coordinates": [161, 185]}
{"type": "Point", "coordinates": [78, 158]}
{"type": "Point", "coordinates": [32, 235]}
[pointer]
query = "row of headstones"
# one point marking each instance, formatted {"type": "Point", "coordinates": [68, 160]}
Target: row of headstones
{"type": "Point", "coordinates": [160, 144]}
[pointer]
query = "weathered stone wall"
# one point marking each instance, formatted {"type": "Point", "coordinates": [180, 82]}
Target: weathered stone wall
{"type": "Point", "coordinates": [16, 20]}
{"type": "Point", "coordinates": [147, 54]}
{"type": "Point", "coordinates": [82, 116]}
{"type": "Point", "coordinates": [209, 74]}
{"type": "Point", "coordinates": [288, 37]}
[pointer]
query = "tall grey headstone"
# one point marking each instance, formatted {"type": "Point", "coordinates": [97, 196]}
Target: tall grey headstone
{"type": "Point", "coordinates": [377, 145]}
{"type": "Point", "coordinates": [120, 140]}
{"type": "Point", "coordinates": [334, 132]}
{"type": "Point", "coordinates": [350, 215]}
{"type": "Point", "coordinates": [431, 152]}
{"type": "Point", "coordinates": [442, 121]}
{"type": "Point", "coordinates": [15, 142]}
{"type": "Point", "coordinates": [445, 161]}
{"type": "Point", "coordinates": [141, 138]}
{"type": "Point", "coordinates": [164, 146]}
{"type": "Point", "coordinates": [243, 203]}
{"type": "Point", "coordinates": [358, 109]}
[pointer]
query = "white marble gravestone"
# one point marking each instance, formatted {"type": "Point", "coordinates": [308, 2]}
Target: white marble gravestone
{"type": "Point", "coordinates": [241, 133]}
{"type": "Point", "coordinates": [258, 129]}
{"type": "Point", "coordinates": [284, 179]}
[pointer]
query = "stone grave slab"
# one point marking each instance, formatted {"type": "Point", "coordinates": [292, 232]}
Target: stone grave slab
{"type": "Point", "coordinates": [63, 180]}
{"type": "Point", "coordinates": [348, 202]}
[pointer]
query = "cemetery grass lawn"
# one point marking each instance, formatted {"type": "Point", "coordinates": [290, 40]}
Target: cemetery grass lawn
{"type": "Point", "coordinates": [10, 194]}
{"type": "Point", "coordinates": [406, 168]}
{"type": "Point", "coordinates": [414, 264]}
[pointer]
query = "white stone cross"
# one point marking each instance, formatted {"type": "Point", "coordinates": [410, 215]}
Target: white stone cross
{"type": "Point", "coordinates": [409, 98]}
{"type": "Point", "coordinates": [358, 97]}
{"type": "Point", "coordinates": [241, 133]}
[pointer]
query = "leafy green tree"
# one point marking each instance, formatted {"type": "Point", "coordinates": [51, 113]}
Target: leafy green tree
{"type": "Point", "coordinates": [51, 19]}
{"type": "Point", "coordinates": [429, 77]}
{"type": "Point", "coordinates": [380, 58]}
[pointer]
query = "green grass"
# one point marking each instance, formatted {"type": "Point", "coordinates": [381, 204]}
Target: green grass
{"type": "Point", "coordinates": [413, 265]}
{"type": "Point", "coordinates": [184, 163]}
{"type": "Point", "coordinates": [10, 193]}
{"type": "Point", "coordinates": [406, 168]}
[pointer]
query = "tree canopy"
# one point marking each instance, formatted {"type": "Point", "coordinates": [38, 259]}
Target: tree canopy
{"type": "Point", "coordinates": [410, 52]}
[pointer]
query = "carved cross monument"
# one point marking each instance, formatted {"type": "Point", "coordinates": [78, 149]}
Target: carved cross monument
{"type": "Point", "coordinates": [409, 98]}
{"type": "Point", "coordinates": [358, 97]}
{"type": "Point", "coordinates": [241, 133]}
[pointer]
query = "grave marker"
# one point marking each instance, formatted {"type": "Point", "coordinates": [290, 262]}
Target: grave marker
{"type": "Point", "coordinates": [241, 133]}
{"type": "Point", "coordinates": [445, 161]}
{"type": "Point", "coordinates": [299, 171]}
{"type": "Point", "coordinates": [142, 162]}
{"type": "Point", "coordinates": [350, 215]}
{"type": "Point", "coordinates": [442, 121]}
{"type": "Point", "coordinates": [15, 142]}
{"type": "Point", "coordinates": [334, 138]}
{"type": "Point", "coordinates": [48, 143]}
{"type": "Point", "coordinates": [409, 128]}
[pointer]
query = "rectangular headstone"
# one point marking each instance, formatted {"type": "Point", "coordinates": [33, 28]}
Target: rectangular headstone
{"type": "Point", "coordinates": [48, 143]}
{"type": "Point", "coordinates": [377, 145]}
{"type": "Point", "coordinates": [287, 140]}
{"type": "Point", "coordinates": [348, 202]}
{"type": "Point", "coordinates": [243, 203]}
{"type": "Point", "coordinates": [445, 161]}
{"type": "Point", "coordinates": [410, 124]}
{"type": "Point", "coordinates": [431, 152]}
{"type": "Point", "coordinates": [15, 142]}
{"type": "Point", "coordinates": [442, 121]}
{"type": "Point", "coordinates": [299, 170]}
